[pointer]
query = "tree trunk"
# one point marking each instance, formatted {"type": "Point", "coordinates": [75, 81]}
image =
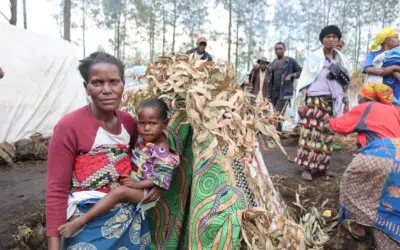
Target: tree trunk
{"type": "Point", "coordinates": [324, 16]}
{"type": "Point", "coordinates": [328, 14]}
{"type": "Point", "coordinates": [237, 44]}
{"type": "Point", "coordinates": [250, 41]}
{"type": "Point", "coordinates": [384, 16]}
{"type": "Point", "coordinates": [174, 26]}
{"type": "Point", "coordinates": [25, 17]}
{"type": "Point", "coordinates": [164, 28]}
{"type": "Point", "coordinates": [229, 33]}
{"type": "Point", "coordinates": [359, 41]}
{"type": "Point", "coordinates": [308, 32]}
{"type": "Point", "coordinates": [67, 20]}
{"type": "Point", "coordinates": [13, 8]}
{"type": "Point", "coordinates": [152, 31]}
{"type": "Point", "coordinates": [344, 16]}
{"type": "Point", "coordinates": [84, 27]}
{"type": "Point", "coordinates": [371, 2]}
{"type": "Point", "coordinates": [124, 37]}
{"type": "Point", "coordinates": [115, 37]}
{"type": "Point", "coordinates": [192, 37]}
{"type": "Point", "coordinates": [119, 30]}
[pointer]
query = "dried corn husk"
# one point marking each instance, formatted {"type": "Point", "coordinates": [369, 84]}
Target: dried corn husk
{"type": "Point", "coordinates": [265, 228]}
{"type": "Point", "coordinates": [357, 81]}
{"type": "Point", "coordinates": [222, 116]}
{"type": "Point", "coordinates": [4, 155]}
{"type": "Point", "coordinates": [348, 142]}
{"type": "Point", "coordinates": [217, 108]}
{"type": "Point", "coordinates": [7, 153]}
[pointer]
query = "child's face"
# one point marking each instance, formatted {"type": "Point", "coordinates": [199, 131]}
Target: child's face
{"type": "Point", "coordinates": [150, 124]}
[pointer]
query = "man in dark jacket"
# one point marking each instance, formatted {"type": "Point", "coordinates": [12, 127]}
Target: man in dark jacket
{"type": "Point", "coordinates": [259, 79]}
{"type": "Point", "coordinates": [283, 71]}
{"type": "Point", "coordinates": [200, 50]}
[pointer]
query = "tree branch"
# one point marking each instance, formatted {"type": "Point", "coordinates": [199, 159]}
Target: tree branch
{"type": "Point", "coordinates": [1, 12]}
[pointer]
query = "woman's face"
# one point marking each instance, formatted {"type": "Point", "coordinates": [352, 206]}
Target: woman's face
{"type": "Point", "coordinates": [330, 41]}
{"type": "Point", "coordinates": [105, 86]}
{"type": "Point", "coordinates": [392, 42]}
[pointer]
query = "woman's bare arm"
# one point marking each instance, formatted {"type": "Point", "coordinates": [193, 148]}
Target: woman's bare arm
{"type": "Point", "coordinates": [382, 71]}
{"type": "Point", "coordinates": [54, 243]}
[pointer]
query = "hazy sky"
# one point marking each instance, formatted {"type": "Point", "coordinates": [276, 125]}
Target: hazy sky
{"type": "Point", "coordinates": [40, 20]}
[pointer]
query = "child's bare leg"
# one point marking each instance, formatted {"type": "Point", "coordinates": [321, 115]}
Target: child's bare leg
{"type": "Point", "coordinates": [115, 196]}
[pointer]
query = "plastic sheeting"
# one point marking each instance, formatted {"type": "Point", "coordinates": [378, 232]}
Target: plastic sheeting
{"type": "Point", "coordinates": [40, 85]}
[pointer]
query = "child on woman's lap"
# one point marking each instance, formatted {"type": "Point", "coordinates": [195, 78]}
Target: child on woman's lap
{"type": "Point", "coordinates": [154, 159]}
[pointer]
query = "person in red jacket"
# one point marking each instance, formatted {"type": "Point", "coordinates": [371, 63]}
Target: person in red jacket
{"type": "Point", "coordinates": [368, 188]}
{"type": "Point", "coordinates": [374, 118]}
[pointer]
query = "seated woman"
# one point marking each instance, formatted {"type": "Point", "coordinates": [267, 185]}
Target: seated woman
{"type": "Point", "coordinates": [88, 153]}
{"type": "Point", "coordinates": [370, 187]}
{"type": "Point", "coordinates": [381, 66]}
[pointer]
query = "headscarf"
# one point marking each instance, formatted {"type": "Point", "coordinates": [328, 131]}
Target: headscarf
{"type": "Point", "coordinates": [381, 36]}
{"type": "Point", "coordinates": [331, 29]}
{"type": "Point", "coordinates": [377, 92]}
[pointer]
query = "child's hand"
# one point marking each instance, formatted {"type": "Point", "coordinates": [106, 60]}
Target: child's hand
{"type": "Point", "coordinates": [127, 181]}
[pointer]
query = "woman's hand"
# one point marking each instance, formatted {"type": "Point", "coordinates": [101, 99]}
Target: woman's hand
{"type": "Point", "coordinates": [153, 195]}
{"type": "Point", "coordinates": [54, 243]}
{"type": "Point", "coordinates": [390, 70]}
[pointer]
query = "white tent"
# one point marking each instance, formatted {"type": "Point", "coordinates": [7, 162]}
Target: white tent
{"type": "Point", "coordinates": [40, 85]}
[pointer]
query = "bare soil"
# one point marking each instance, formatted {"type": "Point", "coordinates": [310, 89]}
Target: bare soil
{"type": "Point", "coordinates": [287, 178]}
{"type": "Point", "coordinates": [22, 197]}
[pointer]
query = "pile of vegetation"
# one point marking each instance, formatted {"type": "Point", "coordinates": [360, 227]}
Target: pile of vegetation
{"type": "Point", "coordinates": [33, 148]}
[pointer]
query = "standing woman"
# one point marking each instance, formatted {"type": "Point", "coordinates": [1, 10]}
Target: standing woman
{"type": "Point", "coordinates": [88, 154]}
{"type": "Point", "coordinates": [320, 95]}
{"type": "Point", "coordinates": [385, 40]}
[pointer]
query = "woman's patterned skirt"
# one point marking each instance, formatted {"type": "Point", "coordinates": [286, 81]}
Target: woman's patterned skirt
{"type": "Point", "coordinates": [316, 139]}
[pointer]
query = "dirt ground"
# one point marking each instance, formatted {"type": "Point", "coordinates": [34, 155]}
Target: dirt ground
{"type": "Point", "coordinates": [23, 188]}
{"type": "Point", "coordinates": [22, 197]}
{"type": "Point", "coordinates": [287, 178]}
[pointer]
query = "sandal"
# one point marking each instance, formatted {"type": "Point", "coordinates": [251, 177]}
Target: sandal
{"type": "Point", "coordinates": [306, 176]}
{"type": "Point", "coordinates": [356, 230]}
{"type": "Point", "coordinates": [329, 174]}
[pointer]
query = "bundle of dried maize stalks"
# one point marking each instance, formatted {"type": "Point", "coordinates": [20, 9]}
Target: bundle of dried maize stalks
{"type": "Point", "coordinates": [223, 117]}
{"type": "Point", "coordinates": [357, 81]}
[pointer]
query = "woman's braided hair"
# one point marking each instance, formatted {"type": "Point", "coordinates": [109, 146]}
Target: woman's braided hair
{"type": "Point", "coordinates": [99, 57]}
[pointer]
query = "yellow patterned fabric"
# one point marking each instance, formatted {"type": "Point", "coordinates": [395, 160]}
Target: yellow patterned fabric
{"type": "Point", "coordinates": [377, 92]}
{"type": "Point", "coordinates": [381, 36]}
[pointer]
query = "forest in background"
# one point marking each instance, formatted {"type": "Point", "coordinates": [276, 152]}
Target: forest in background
{"type": "Point", "coordinates": [256, 25]}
